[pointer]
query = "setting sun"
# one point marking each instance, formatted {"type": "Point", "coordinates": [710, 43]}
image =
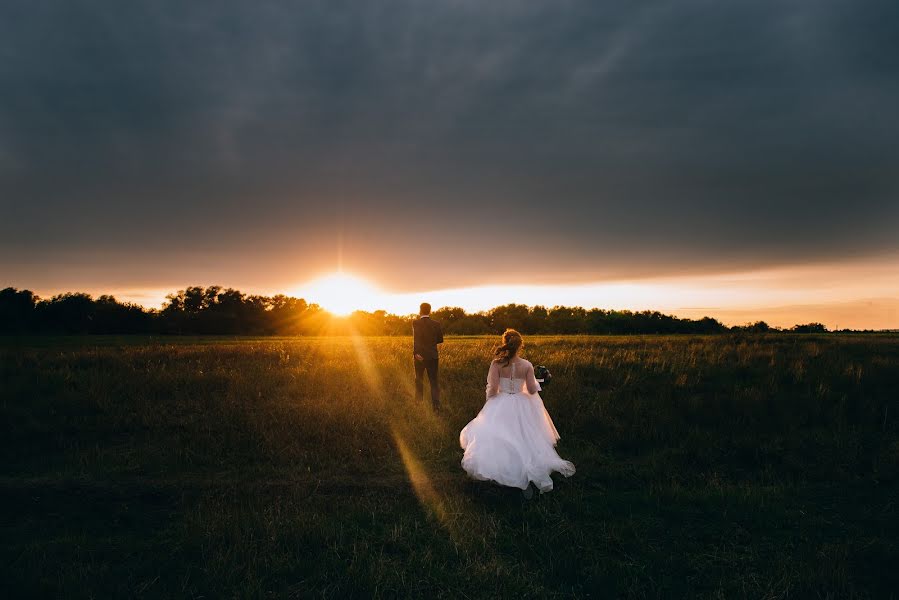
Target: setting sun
{"type": "Point", "coordinates": [341, 293]}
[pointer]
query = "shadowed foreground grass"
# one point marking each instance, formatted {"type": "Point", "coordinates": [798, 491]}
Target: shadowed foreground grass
{"type": "Point", "coordinates": [707, 466]}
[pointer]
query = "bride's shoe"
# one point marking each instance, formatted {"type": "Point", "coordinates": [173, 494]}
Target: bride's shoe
{"type": "Point", "coordinates": [528, 492]}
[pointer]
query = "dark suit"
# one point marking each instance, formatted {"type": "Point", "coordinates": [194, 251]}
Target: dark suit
{"type": "Point", "coordinates": [426, 334]}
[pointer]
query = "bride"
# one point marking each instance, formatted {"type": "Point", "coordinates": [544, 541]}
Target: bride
{"type": "Point", "coordinates": [512, 439]}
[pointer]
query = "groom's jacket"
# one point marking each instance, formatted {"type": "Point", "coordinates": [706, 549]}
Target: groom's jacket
{"type": "Point", "coordinates": [426, 334]}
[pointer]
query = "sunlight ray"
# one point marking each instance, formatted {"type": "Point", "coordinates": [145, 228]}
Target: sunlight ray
{"type": "Point", "coordinates": [418, 476]}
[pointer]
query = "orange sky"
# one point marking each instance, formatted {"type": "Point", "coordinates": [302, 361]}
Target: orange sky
{"type": "Point", "coordinates": [861, 294]}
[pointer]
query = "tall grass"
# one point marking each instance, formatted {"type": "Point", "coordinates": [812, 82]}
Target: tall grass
{"type": "Point", "coordinates": [711, 466]}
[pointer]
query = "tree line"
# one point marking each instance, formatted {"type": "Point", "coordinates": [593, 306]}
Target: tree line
{"type": "Point", "coordinates": [201, 310]}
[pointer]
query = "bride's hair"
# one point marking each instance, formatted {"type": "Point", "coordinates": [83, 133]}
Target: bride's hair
{"type": "Point", "coordinates": [512, 343]}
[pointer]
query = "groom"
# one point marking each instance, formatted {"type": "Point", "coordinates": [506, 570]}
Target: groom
{"type": "Point", "coordinates": [426, 334]}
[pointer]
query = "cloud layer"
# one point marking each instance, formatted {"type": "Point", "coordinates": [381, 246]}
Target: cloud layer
{"type": "Point", "coordinates": [592, 139]}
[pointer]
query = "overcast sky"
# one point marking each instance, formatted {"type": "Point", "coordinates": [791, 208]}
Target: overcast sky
{"type": "Point", "coordinates": [442, 143]}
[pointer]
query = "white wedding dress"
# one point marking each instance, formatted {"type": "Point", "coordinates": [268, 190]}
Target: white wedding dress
{"type": "Point", "coordinates": [512, 440]}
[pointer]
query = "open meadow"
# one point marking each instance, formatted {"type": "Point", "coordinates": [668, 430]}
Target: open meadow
{"type": "Point", "coordinates": [731, 466]}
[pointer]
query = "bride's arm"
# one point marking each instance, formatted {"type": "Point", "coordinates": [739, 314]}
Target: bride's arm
{"type": "Point", "coordinates": [531, 381]}
{"type": "Point", "coordinates": [493, 380]}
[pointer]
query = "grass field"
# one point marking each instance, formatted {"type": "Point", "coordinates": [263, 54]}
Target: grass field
{"type": "Point", "coordinates": [725, 467]}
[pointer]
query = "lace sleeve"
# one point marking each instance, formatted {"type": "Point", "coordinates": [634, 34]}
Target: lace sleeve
{"type": "Point", "coordinates": [531, 381]}
{"type": "Point", "coordinates": [493, 380]}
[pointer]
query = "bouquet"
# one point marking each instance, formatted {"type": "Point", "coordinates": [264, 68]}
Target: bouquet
{"type": "Point", "coordinates": [542, 375]}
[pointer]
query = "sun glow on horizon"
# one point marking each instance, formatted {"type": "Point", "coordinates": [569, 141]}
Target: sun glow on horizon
{"type": "Point", "coordinates": [342, 293]}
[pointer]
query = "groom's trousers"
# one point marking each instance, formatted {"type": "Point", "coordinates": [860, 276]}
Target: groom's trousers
{"type": "Point", "coordinates": [429, 365]}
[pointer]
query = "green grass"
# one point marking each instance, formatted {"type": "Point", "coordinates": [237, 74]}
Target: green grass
{"type": "Point", "coordinates": [724, 467]}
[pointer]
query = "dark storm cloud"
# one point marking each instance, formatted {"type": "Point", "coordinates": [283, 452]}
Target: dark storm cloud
{"type": "Point", "coordinates": [610, 137]}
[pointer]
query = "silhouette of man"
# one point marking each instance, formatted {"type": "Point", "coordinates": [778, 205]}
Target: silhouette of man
{"type": "Point", "coordinates": [426, 334]}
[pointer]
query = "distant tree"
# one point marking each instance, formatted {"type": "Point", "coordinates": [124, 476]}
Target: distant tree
{"type": "Point", "coordinates": [228, 311]}
{"type": "Point", "coordinates": [597, 321]}
{"type": "Point", "coordinates": [565, 319]}
{"type": "Point", "coordinates": [16, 310]}
{"type": "Point", "coordinates": [757, 327]}
{"type": "Point", "coordinates": [284, 315]}
{"type": "Point", "coordinates": [448, 316]}
{"type": "Point", "coordinates": [809, 328]}
{"type": "Point", "coordinates": [514, 316]}
{"type": "Point", "coordinates": [397, 325]}
{"type": "Point", "coordinates": [66, 313]}
{"type": "Point", "coordinates": [708, 325]}
{"type": "Point", "coordinates": [112, 316]}
{"type": "Point", "coordinates": [538, 320]}
{"type": "Point", "coordinates": [194, 299]}
{"type": "Point", "coordinates": [469, 325]}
